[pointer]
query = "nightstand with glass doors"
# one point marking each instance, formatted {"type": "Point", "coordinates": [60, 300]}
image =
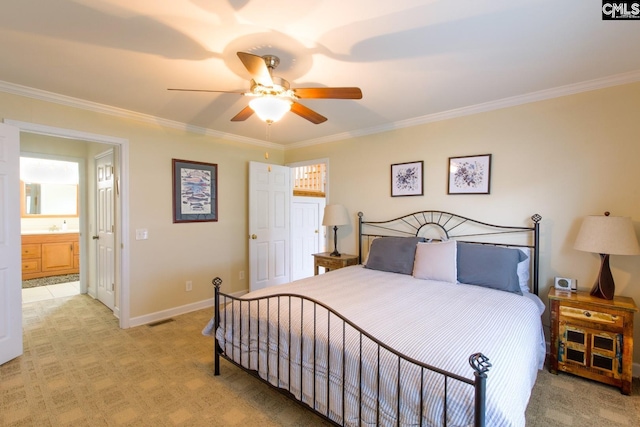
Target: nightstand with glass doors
{"type": "Point", "coordinates": [592, 337]}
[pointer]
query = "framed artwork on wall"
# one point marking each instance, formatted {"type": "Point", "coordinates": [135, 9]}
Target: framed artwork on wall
{"type": "Point", "coordinates": [195, 191]}
{"type": "Point", "coordinates": [470, 174]}
{"type": "Point", "coordinates": [407, 179]}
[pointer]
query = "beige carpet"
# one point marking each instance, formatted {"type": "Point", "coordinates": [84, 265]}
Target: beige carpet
{"type": "Point", "coordinates": [80, 369]}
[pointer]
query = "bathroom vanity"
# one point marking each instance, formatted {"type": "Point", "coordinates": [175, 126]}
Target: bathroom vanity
{"type": "Point", "coordinates": [50, 254]}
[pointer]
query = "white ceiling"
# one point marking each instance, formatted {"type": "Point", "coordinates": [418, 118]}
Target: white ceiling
{"type": "Point", "coordinates": [413, 59]}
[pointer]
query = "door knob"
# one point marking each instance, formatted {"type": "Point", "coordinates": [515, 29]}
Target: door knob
{"type": "Point", "coordinates": [316, 231]}
{"type": "Point", "coordinates": [95, 237]}
{"type": "Point", "coordinates": [254, 237]}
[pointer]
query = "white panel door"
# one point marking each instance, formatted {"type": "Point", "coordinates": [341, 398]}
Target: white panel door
{"type": "Point", "coordinates": [10, 263]}
{"type": "Point", "coordinates": [306, 240]}
{"type": "Point", "coordinates": [269, 206]}
{"type": "Point", "coordinates": [105, 229]}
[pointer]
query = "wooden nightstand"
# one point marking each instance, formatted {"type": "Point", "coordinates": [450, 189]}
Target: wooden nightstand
{"type": "Point", "coordinates": [332, 262]}
{"type": "Point", "coordinates": [592, 337]}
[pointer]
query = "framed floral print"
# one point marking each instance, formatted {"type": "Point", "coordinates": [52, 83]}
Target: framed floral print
{"type": "Point", "coordinates": [407, 179]}
{"type": "Point", "coordinates": [470, 174]}
{"type": "Point", "coordinates": [195, 191]}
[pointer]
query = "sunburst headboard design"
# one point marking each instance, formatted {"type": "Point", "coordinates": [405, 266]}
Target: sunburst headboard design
{"type": "Point", "coordinates": [439, 225]}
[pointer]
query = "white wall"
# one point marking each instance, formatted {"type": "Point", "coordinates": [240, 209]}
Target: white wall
{"type": "Point", "coordinates": [562, 158]}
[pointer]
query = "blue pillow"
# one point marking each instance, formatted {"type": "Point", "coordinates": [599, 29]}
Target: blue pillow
{"type": "Point", "coordinates": [489, 266]}
{"type": "Point", "coordinates": [393, 254]}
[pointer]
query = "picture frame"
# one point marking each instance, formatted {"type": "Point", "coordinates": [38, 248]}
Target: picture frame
{"type": "Point", "coordinates": [407, 179]}
{"type": "Point", "coordinates": [195, 191]}
{"type": "Point", "coordinates": [469, 174]}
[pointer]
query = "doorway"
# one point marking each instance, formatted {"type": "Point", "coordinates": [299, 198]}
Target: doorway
{"type": "Point", "coordinates": [310, 189]}
{"type": "Point", "coordinates": [50, 213]}
{"type": "Point", "coordinates": [94, 143]}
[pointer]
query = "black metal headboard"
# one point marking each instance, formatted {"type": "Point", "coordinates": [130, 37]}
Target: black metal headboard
{"type": "Point", "coordinates": [445, 225]}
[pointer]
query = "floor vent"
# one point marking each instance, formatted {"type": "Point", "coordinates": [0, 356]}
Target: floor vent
{"type": "Point", "coordinates": [160, 322]}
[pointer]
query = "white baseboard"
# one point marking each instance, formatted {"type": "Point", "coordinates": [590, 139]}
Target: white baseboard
{"type": "Point", "coordinates": [176, 311]}
{"type": "Point", "coordinates": [166, 314]}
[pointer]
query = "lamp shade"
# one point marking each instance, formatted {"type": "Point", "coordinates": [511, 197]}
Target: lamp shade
{"type": "Point", "coordinates": [603, 234]}
{"type": "Point", "coordinates": [335, 215]}
{"type": "Point", "coordinates": [269, 108]}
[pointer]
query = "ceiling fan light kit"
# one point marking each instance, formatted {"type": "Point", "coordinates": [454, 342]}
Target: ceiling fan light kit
{"type": "Point", "coordinates": [270, 108]}
{"type": "Point", "coordinates": [273, 97]}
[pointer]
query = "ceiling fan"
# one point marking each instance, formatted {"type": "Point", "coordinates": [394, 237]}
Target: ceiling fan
{"type": "Point", "coordinates": [273, 96]}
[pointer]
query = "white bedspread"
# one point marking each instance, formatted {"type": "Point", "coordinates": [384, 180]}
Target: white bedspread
{"type": "Point", "coordinates": [437, 323]}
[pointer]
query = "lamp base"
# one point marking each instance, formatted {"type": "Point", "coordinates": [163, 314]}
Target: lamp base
{"type": "Point", "coordinates": [604, 286]}
{"type": "Point", "coordinates": [335, 242]}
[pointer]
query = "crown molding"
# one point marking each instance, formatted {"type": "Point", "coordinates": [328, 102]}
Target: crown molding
{"type": "Point", "coordinates": [595, 84]}
{"type": "Point", "coordinates": [95, 107]}
{"type": "Point", "coordinates": [615, 80]}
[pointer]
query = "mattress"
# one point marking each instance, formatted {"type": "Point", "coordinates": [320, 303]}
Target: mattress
{"type": "Point", "coordinates": [346, 378]}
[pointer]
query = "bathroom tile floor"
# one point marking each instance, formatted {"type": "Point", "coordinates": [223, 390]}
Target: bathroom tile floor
{"type": "Point", "coordinates": [50, 291]}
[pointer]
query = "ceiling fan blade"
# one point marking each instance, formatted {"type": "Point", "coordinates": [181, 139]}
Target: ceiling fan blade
{"type": "Point", "coordinates": [257, 68]}
{"type": "Point", "coordinates": [307, 113]}
{"type": "Point", "coordinates": [207, 90]}
{"type": "Point", "coordinates": [243, 115]}
{"type": "Point", "coordinates": [329, 92]}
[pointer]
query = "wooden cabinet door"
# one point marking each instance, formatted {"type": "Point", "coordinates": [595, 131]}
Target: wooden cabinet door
{"type": "Point", "coordinates": [57, 256]}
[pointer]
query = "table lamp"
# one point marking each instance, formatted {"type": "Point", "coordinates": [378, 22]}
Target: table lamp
{"type": "Point", "coordinates": [606, 235]}
{"type": "Point", "coordinates": [335, 215]}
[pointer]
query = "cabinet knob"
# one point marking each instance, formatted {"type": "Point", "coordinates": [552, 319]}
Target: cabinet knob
{"type": "Point", "coordinates": [587, 314]}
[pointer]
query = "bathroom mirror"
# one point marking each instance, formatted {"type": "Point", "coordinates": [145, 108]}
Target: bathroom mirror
{"type": "Point", "coordinates": [48, 188]}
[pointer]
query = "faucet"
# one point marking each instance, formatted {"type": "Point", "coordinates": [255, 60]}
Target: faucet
{"type": "Point", "coordinates": [53, 228]}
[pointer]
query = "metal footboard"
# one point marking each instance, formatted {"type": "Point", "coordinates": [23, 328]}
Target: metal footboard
{"type": "Point", "coordinates": [268, 337]}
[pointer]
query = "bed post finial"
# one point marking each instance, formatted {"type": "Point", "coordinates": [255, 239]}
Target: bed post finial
{"type": "Point", "coordinates": [217, 282]}
{"type": "Point", "coordinates": [536, 218]}
{"type": "Point", "coordinates": [480, 364]}
{"type": "Point", "coordinates": [216, 313]}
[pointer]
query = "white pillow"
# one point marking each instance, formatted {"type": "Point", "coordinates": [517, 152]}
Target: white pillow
{"type": "Point", "coordinates": [436, 261]}
{"type": "Point", "coordinates": [523, 270]}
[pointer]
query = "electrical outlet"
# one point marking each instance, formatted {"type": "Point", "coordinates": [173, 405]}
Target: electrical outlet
{"type": "Point", "coordinates": [241, 275]}
{"type": "Point", "coordinates": [188, 286]}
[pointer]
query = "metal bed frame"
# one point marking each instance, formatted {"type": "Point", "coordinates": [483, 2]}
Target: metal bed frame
{"type": "Point", "coordinates": [452, 226]}
{"type": "Point", "coordinates": [448, 226]}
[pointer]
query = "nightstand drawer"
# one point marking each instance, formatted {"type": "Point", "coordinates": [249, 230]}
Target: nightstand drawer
{"type": "Point", "coordinates": [590, 316]}
{"type": "Point", "coordinates": [331, 264]}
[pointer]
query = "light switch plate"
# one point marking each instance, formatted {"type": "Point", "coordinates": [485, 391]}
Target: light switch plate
{"type": "Point", "coordinates": [142, 234]}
